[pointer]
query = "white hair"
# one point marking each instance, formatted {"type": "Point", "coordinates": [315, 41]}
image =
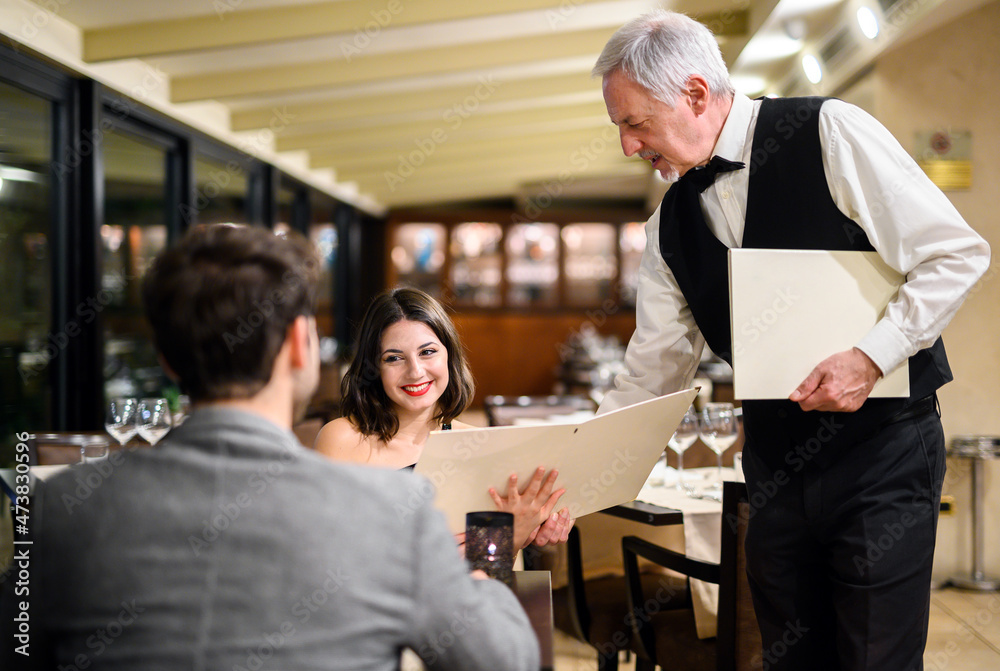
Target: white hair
{"type": "Point", "coordinates": [661, 50]}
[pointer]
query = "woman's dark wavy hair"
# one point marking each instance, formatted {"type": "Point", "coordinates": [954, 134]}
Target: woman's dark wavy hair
{"type": "Point", "coordinates": [364, 401]}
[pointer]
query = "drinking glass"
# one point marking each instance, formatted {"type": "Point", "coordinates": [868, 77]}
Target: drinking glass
{"type": "Point", "coordinates": [120, 419]}
{"type": "Point", "coordinates": [683, 438]}
{"type": "Point", "coordinates": [489, 543]}
{"type": "Point", "coordinates": [154, 419]}
{"type": "Point", "coordinates": [718, 428]}
{"type": "Point", "coordinates": [183, 409]}
{"type": "Point", "coordinates": [94, 449]}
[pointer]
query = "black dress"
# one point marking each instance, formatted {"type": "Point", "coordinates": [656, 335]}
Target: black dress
{"type": "Point", "coordinates": [444, 427]}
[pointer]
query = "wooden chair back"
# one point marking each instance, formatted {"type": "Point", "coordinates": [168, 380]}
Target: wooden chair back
{"type": "Point", "coordinates": [738, 643]}
{"type": "Point", "coordinates": [55, 449]}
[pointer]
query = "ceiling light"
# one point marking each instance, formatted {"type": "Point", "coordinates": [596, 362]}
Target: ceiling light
{"type": "Point", "coordinates": [748, 84]}
{"type": "Point", "coordinates": [795, 27]}
{"type": "Point", "coordinates": [765, 48]}
{"type": "Point", "coordinates": [19, 175]}
{"type": "Point", "coordinates": [813, 70]}
{"type": "Point", "coordinates": [868, 22]}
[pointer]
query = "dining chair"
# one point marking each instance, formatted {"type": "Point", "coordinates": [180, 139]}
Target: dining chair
{"type": "Point", "coordinates": [595, 610]}
{"type": "Point", "coordinates": [307, 430]}
{"type": "Point", "coordinates": [662, 637]}
{"type": "Point", "coordinates": [55, 449]}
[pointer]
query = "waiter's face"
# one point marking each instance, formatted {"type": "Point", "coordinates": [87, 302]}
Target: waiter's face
{"type": "Point", "coordinates": [672, 139]}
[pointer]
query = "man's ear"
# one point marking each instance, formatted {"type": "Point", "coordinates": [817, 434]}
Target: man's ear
{"type": "Point", "coordinates": [697, 93]}
{"type": "Point", "coordinates": [299, 339]}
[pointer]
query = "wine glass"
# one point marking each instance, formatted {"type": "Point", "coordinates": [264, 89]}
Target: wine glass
{"type": "Point", "coordinates": [683, 438]}
{"type": "Point", "coordinates": [154, 419]}
{"type": "Point", "coordinates": [120, 419]}
{"type": "Point", "coordinates": [719, 429]}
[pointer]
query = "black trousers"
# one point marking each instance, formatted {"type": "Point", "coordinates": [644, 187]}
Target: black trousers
{"type": "Point", "coordinates": [839, 557]}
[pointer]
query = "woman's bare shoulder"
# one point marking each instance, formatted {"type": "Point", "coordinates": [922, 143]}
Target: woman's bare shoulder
{"type": "Point", "coordinates": [456, 425]}
{"type": "Point", "coordinates": [342, 441]}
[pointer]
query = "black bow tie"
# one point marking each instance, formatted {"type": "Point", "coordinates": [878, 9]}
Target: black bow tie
{"type": "Point", "coordinates": [701, 178]}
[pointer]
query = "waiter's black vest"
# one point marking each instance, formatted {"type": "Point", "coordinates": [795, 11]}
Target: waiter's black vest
{"type": "Point", "coordinates": [789, 206]}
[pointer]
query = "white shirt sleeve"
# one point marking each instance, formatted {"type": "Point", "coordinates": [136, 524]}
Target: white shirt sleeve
{"type": "Point", "coordinates": [663, 354]}
{"type": "Point", "coordinates": [910, 223]}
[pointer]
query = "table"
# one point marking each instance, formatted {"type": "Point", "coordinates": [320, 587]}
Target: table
{"type": "Point", "coordinates": [647, 513]}
{"type": "Point", "coordinates": [534, 590]}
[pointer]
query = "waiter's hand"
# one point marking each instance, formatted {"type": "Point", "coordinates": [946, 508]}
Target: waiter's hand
{"type": "Point", "coordinates": [840, 383]}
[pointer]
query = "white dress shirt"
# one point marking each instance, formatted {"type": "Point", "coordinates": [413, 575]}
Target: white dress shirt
{"type": "Point", "coordinates": [909, 221]}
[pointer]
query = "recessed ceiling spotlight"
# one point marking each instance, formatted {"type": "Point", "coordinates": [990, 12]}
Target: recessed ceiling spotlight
{"type": "Point", "coordinates": [813, 70]}
{"type": "Point", "coordinates": [748, 84]}
{"type": "Point", "coordinates": [767, 48]}
{"type": "Point", "coordinates": [868, 22]}
{"type": "Point", "coordinates": [795, 28]}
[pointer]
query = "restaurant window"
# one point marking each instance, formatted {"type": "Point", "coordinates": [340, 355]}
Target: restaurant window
{"type": "Point", "coordinates": [133, 233]}
{"type": "Point", "coordinates": [533, 265]}
{"type": "Point", "coordinates": [291, 207]}
{"type": "Point", "coordinates": [323, 233]}
{"type": "Point", "coordinates": [27, 344]}
{"type": "Point", "coordinates": [285, 208]}
{"type": "Point", "coordinates": [417, 254]}
{"type": "Point", "coordinates": [631, 241]}
{"type": "Point", "coordinates": [590, 263]}
{"type": "Point", "coordinates": [220, 191]}
{"type": "Point", "coordinates": [476, 264]}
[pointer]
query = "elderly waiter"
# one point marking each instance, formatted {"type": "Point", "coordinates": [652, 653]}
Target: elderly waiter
{"type": "Point", "coordinates": [799, 173]}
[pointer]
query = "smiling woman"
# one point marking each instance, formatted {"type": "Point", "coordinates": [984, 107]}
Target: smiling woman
{"type": "Point", "coordinates": [405, 340]}
{"type": "Point", "coordinates": [408, 378]}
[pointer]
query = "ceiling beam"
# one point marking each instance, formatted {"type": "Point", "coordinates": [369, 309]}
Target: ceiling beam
{"type": "Point", "coordinates": [229, 26]}
{"type": "Point", "coordinates": [556, 167]}
{"type": "Point", "coordinates": [439, 131]}
{"type": "Point", "coordinates": [552, 164]}
{"type": "Point", "coordinates": [441, 99]}
{"type": "Point", "coordinates": [478, 187]}
{"type": "Point", "coordinates": [450, 193]}
{"type": "Point", "coordinates": [397, 65]}
{"type": "Point", "coordinates": [590, 138]}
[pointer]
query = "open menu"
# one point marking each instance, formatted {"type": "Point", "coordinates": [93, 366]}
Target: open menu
{"type": "Point", "coordinates": [602, 461]}
{"type": "Point", "coordinates": [791, 309]}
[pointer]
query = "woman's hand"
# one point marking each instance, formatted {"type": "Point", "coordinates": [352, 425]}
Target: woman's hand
{"type": "Point", "coordinates": [555, 529]}
{"type": "Point", "coordinates": [531, 506]}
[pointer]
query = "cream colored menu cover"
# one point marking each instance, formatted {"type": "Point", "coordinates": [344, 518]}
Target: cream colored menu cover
{"type": "Point", "coordinates": [793, 308]}
{"type": "Point", "coordinates": [602, 461]}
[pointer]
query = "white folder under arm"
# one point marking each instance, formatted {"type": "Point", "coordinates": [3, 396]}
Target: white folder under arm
{"type": "Point", "coordinates": [793, 308]}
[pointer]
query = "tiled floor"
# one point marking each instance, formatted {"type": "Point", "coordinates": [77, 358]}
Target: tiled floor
{"type": "Point", "coordinates": [964, 635]}
{"type": "Point", "coordinates": [964, 632]}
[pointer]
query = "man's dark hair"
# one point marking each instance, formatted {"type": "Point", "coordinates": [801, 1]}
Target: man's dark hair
{"type": "Point", "coordinates": [220, 302]}
{"type": "Point", "coordinates": [364, 400]}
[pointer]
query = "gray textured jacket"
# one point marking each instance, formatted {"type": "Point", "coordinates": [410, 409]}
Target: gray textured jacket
{"type": "Point", "coordinates": [230, 546]}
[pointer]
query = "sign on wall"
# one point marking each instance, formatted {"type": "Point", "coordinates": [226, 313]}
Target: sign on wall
{"type": "Point", "coordinates": [946, 157]}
